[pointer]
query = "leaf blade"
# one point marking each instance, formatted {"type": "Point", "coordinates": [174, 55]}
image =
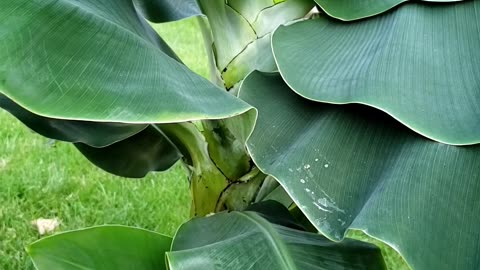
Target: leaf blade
{"type": "Point", "coordinates": [348, 10]}
{"type": "Point", "coordinates": [112, 67]}
{"type": "Point", "coordinates": [247, 240]}
{"type": "Point", "coordinates": [101, 248]}
{"type": "Point", "coordinates": [407, 63]}
{"type": "Point", "coordinates": [351, 167]}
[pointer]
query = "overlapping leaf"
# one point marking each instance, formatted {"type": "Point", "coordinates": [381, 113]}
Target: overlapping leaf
{"type": "Point", "coordinates": [159, 11]}
{"type": "Point", "coordinates": [250, 8]}
{"type": "Point", "coordinates": [284, 11]}
{"type": "Point", "coordinates": [348, 10]}
{"type": "Point", "coordinates": [102, 248]}
{"type": "Point", "coordinates": [199, 245]}
{"type": "Point", "coordinates": [230, 30]}
{"type": "Point", "coordinates": [91, 133]}
{"type": "Point", "coordinates": [149, 150]}
{"type": "Point", "coordinates": [351, 166]}
{"type": "Point", "coordinates": [246, 240]}
{"type": "Point", "coordinates": [419, 63]}
{"type": "Point", "coordinates": [128, 150]}
{"type": "Point", "coordinates": [99, 61]}
{"type": "Point", "coordinates": [265, 15]}
{"type": "Point", "coordinates": [241, 32]}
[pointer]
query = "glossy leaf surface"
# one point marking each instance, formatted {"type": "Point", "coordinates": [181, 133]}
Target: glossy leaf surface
{"type": "Point", "coordinates": [350, 166]}
{"type": "Point", "coordinates": [419, 63]}
{"type": "Point", "coordinates": [99, 61]}
{"type": "Point", "coordinates": [102, 248]}
{"type": "Point", "coordinates": [247, 240]}
{"type": "Point", "coordinates": [348, 10]}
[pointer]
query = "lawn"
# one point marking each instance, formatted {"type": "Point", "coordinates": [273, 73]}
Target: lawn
{"type": "Point", "coordinates": [41, 178]}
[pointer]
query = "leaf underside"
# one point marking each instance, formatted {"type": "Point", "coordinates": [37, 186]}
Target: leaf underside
{"type": "Point", "coordinates": [128, 150]}
{"type": "Point", "coordinates": [149, 150]}
{"type": "Point", "coordinates": [160, 11]}
{"type": "Point", "coordinates": [91, 133]}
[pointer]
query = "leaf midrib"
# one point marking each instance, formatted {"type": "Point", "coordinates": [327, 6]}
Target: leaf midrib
{"type": "Point", "coordinates": [272, 236]}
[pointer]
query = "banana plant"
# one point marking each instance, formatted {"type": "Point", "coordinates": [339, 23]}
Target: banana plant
{"type": "Point", "coordinates": [318, 117]}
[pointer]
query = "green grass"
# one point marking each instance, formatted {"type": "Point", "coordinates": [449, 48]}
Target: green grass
{"type": "Point", "coordinates": [41, 179]}
{"type": "Point", "coordinates": [44, 180]}
{"type": "Point", "coordinates": [393, 260]}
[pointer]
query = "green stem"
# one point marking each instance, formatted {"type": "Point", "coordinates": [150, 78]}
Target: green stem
{"type": "Point", "coordinates": [208, 42]}
{"type": "Point", "coordinates": [207, 181]}
{"type": "Point", "coordinates": [242, 193]}
{"type": "Point", "coordinates": [228, 152]}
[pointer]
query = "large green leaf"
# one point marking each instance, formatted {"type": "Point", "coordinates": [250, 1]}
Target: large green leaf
{"type": "Point", "coordinates": [352, 166]}
{"type": "Point", "coordinates": [246, 240]}
{"type": "Point", "coordinates": [149, 150]}
{"type": "Point", "coordinates": [98, 60]}
{"type": "Point", "coordinates": [101, 248]}
{"type": "Point", "coordinates": [91, 133]}
{"type": "Point", "coordinates": [419, 63]}
{"type": "Point", "coordinates": [357, 9]}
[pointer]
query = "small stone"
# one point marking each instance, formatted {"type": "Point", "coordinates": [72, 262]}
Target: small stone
{"type": "Point", "coordinates": [45, 226]}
